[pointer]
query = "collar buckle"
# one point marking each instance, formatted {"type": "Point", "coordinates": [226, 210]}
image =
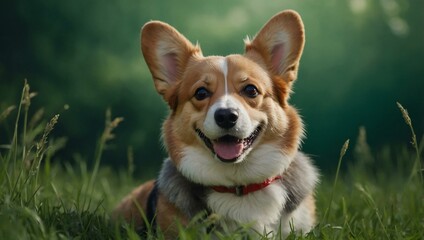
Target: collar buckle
{"type": "Point", "coordinates": [239, 190]}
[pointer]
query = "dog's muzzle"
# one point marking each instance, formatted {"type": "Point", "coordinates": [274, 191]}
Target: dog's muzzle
{"type": "Point", "coordinates": [229, 148]}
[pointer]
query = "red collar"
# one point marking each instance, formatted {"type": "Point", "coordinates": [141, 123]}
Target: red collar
{"type": "Point", "coordinates": [244, 190]}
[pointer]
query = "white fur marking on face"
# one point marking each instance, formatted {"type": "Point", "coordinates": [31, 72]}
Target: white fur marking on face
{"type": "Point", "coordinates": [224, 67]}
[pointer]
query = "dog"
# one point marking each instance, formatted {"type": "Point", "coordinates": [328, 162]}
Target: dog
{"type": "Point", "coordinates": [233, 138]}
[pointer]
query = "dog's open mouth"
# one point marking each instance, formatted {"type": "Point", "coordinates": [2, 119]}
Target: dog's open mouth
{"type": "Point", "coordinates": [229, 148]}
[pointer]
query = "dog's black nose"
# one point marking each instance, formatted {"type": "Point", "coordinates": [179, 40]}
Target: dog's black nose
{"type": "Point", "coordinates": [226, 117]}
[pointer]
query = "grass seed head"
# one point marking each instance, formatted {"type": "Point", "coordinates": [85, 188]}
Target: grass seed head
{"type": "Point", "coordinates": [49, 127]}
{"type": "Point", "coordinates": [405, 114]}
{"type": "Point", "coordinates": [7, 112]}
{"type": "Point", "coordinates": [26, 100]}
{"type": "Point", "coordinates": [344, 148]}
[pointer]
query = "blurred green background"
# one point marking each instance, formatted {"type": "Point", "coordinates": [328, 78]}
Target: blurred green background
{"type": "Point", "coordinates": [361, 56]}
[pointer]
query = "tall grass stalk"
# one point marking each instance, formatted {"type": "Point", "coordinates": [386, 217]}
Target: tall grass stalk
{"type": "Point", "coordinates": [342, 153]}
{"type": "Point", "coordinates": [41, 148]}
{"type": "Point", "coordinates": [107, 135]}
{"type": "Point", "coordinates": [416, 169]}
{"type": "Point", "coordinates": [13, 151]}
{"type": "Point", "coordinates": [26, 103]}
{"type": "Point", "coordinates": [17, 170]}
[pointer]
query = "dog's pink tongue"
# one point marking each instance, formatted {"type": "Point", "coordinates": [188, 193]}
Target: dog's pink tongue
{"type": "Point", "coordinates": [228, 151]}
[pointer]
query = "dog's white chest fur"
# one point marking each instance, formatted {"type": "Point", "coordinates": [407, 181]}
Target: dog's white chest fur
{"type": "Point", "coordinates": [261, 208]}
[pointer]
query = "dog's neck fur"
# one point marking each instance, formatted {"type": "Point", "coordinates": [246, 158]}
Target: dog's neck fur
{"type": "Point", "coordinates": [186, 195]}
{"type": "Point", "coordinates": [192, 198]}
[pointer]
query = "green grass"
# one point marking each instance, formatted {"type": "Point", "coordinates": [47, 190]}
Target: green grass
{"type": "Point", "coordinates": [377, 195]}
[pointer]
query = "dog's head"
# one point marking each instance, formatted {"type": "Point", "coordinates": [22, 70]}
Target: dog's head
{"type": "Point", "coordinates": [230, 122]}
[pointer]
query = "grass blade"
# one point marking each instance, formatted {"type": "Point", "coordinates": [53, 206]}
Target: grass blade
{"type": "Point", "coordinates": [342, 153]}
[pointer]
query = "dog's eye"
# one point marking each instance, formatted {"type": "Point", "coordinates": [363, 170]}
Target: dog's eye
{"type": "Point", "coordinates": [201, 93]}
{"type": "Point", "coordinates": [250, 91]}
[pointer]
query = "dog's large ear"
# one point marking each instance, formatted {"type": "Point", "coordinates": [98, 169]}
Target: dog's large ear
{"type": "Point", "coordinates": [280, 44]}
{"type": "Point", "coordinates": [166, 52]}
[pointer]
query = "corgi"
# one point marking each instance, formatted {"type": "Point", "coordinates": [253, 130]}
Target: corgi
{"type": "Point", "coordinates": [232, 137]}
